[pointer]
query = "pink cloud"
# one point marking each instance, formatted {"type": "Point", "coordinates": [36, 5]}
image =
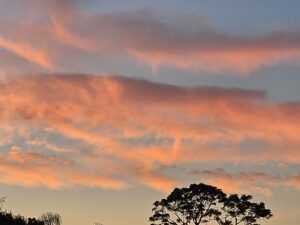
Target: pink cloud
{"type": "Point", "coordinates": [27, 52]}
{"type": "Point", "coordinates": [19, 167]}
{"type": "Point", "coordinates": [253, 182]}
{"type": "Point", "coordinates": [113, 116]}
{"type": "Point", "coordinates": [250, 182]}
{"type": "Point", "coordinates": [142, 35]}
{"type": "Point", "coordinates": [110, 115]}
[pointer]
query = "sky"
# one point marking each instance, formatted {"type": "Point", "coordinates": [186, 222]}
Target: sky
{"type": "Point", "coordinates": [107, 105]}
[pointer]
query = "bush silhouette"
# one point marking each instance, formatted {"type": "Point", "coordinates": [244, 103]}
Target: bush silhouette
{"type": "Point", "coordinates": [51, 218]}
{"type": "Point", "coordinates": [7, 218]}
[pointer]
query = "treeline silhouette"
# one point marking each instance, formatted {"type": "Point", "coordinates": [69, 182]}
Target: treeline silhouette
{"type": "Point", "coordinates": [194, 205]}
{"type": "Point", "coordinates": [7, 218]}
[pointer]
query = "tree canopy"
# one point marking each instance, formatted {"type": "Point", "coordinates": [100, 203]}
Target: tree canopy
{"type": "Point", "coordinates": [201, 203]}
{"type": "Point", "coordinates": [240, 209]}
{"type": "Point", "coordinates": [51, 218]}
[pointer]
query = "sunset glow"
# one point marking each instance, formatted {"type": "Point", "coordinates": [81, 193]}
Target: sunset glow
{"type": "Point", "coordinates": [107, 106]}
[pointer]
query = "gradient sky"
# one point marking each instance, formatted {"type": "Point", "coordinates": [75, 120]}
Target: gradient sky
{"type": "Point", "coordinates": [107, 105]}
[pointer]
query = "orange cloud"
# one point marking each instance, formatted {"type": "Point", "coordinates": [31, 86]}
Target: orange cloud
{"type": "Point", "coordinates": [124, 123]}
{"type": "Point", "coordinates": [27, 52]}
{"type": "Point", "coordinates": [31, 169]}
{"type": "Point", "coordinates": [253, 182]}
{"type": "Point", "coordinates": [220, 60]}
{"type": "Point", "coordinates": [294, 181]}
{"type": "Point", "coordinates": [49, 146]}
{"type": "Point", "coordinates": [158, 43]}
{"type": "Point", "coordinates": [142, 35]}
{"type": "Point", "coordinates": [249, 182]}
{"type": "Point", "coordinates": [128, 128]}
{"type": "Point", "coordinates": [155, 180]}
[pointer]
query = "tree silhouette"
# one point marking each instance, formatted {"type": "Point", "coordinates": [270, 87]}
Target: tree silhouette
{"type": "Point", "coordinates": [7, 218]}
{"type": "Point", "coordinates": [51, 218]}
{"type": "Point", "coordinates": [97, 223]}
{"type": "Point", "coordinates": [201, 203]}
{"type": "Point", "coordinates": [34, 221]}
{"type": "Point", "coordinates": [239, 209]}
{"type": "Point", "coordinates": [2, 201]}
{"type": "Point", "coordinates": [194, 205]}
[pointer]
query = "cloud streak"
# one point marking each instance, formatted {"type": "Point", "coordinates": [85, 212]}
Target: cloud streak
{"type": "Point", "coordinates": [34, 170]}
{"type": "Point", "coordinates": [26, 52]}
{"type": "Point", "coordinates": [251, 182]}
{"type": "Point", "coordinates": [186, 42]}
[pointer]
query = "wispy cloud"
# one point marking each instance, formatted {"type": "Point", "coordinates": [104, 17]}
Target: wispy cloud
{"type": "Point", "coordinates": [187, 42]}
{"type": "Point", "coordinates": [49, 146]}
{"type": "Point", "coordinates": [257, 182]}
{"type": "Point", "coordinates": [29, 169]}
{"type": "Point", "coordinates": [251, 182]}
{"type": "Point", "coordinates": [27, 52]}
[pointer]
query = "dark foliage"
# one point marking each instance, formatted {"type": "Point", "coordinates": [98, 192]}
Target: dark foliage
{"type": "Point", "coordinates": [6, 218]}
{"type": "Point", "coordinates": [201, 203]}
{"type": "Point", "coordinates": [51, 218]}
{"type": "Point", "coordinates": [194, 205]}
{"type": "Point", "coordinates": [240, 209]}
